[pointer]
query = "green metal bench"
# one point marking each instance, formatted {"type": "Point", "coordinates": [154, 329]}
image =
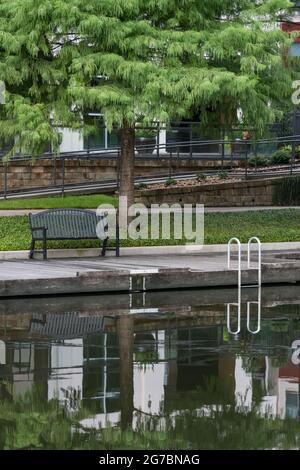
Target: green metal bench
{"type": "Point", "coordinates": [69, 224]}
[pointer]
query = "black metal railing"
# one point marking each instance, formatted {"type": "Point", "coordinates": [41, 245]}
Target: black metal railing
{"type": "Point", "coordinates": [232, 155]}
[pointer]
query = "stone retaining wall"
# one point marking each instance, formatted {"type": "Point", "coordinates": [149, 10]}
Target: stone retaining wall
{"type": "Point", "coordinates": [239, 193]}
{"type": "Point", "coordinates": [23, 175]}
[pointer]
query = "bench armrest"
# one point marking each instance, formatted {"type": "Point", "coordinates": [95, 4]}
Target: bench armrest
{"type": "Point", "coordinates": [43, 231]}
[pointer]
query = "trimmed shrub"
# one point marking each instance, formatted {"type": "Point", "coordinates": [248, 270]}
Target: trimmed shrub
{"type": "Point", "coordinates": [259, 161]}
{"type": "Point", "coordinates": [223, 175]}
{"type": "Point", "coordinates": [140, 186]}
{"type": "Point", "coordinates": [171, 181]}
{"type": "Point", "coordinates": [282, 156]}
{"type": "Point", "coordinates": [201, 176]}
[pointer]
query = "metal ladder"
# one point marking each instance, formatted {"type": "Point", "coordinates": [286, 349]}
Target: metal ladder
{"type": "Point", "coordinates": [251, 241]}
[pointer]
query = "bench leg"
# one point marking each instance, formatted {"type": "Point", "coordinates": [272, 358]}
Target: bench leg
{"type": "Point", "coordinates": [32, 247]}
{"type": "Point", "coordinates": [118, 241]}
{"type": "Point", "coordinates": [45, 245]}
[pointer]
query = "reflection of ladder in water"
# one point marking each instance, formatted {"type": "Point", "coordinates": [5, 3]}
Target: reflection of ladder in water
{"type": "Point", "coordinates": [240, 286]}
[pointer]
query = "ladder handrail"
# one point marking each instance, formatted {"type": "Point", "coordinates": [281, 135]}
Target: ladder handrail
{"type": "Point", "coordinates": [250, 243]}
{"type": "Point", "coordinates": [237, 241]}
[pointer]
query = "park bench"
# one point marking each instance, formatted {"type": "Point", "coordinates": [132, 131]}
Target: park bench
{"type": "Point", "coordinates": [69, 224]}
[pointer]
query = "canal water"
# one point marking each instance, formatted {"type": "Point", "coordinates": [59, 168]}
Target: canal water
{"type": "Point", "coordinates": [184, 370]}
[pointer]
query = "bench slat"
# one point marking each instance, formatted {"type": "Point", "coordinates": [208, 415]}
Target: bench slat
{"type": "Point", "coordinates": [69, 224]}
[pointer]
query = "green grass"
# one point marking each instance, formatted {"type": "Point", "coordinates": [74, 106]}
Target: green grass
{"type": "Point", "coordinates": [269, 226]}
{"type": "Point", "coordinates": [56, 202]}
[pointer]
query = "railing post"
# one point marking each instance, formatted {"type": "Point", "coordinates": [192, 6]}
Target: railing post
{"type": "Point", "coordinates": [223, 149]}
{"type": "Point", "coordinates": [293, 156]}
{"type": "Point", "coordinates": [158, 141]}
{"type": "Point", "coordinates": [255, 152]}
{"type": "Point", "coordinates": [54, 169]}
{"type": "Point", "coordinates": [246, 165]}
{"type": "Point", "coordinates": [118, 170]}
{"type": "Point", "coordinates": [63, 177]}
{"type": "Point", "coordinates": [5, 180]}
{"type": "Point", "coordinates": [170, 163]}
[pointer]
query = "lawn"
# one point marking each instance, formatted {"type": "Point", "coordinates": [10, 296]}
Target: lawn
{"type": "Point", "coordinates": [56, 202]}
{"type": "Point", "coordinates": [269, 226]}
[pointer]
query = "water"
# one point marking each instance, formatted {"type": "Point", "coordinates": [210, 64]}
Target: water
{"type": "Point", "coordinates": [155, 372]}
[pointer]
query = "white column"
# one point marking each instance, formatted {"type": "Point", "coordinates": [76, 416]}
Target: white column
{"type": "Point", "coordinates": [72, 141]}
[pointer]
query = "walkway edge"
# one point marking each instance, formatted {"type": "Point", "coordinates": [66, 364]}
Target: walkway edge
{"type": "Point", "coordinates": [147, 251]}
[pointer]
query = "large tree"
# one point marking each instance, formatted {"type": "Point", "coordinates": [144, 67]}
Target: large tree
{"type": "Point", "coordinates": [138, 60]}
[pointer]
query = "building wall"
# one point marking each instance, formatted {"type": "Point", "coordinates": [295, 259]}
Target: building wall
{"type": "Point", "coordinates": [72, 141]}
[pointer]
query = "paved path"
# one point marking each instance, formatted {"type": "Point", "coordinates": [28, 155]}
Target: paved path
{"type": "Point", "coordinates": [71, 267]}
{"type": "Point", "coordinates": [208, 210]}
{"type": "Point", "coordinates": [136, 274]}
{"type": "Point", "coordinates": [61, 268]}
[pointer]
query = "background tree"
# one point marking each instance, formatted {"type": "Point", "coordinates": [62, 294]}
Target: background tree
{"type": "Point", "coordinates": [138, 60]}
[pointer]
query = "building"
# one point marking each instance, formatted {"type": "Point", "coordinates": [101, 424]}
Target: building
{"type": "Point", "coordinates": [291, 24]}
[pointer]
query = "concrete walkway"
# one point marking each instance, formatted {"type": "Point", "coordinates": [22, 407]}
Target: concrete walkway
{"type": "Point", "coordinates": [208, 210]}
{"type": "Point", "coordinates": [138, 273]}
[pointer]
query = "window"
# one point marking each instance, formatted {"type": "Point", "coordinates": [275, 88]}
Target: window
{"type": "Point", "coordinates": [295, 49]}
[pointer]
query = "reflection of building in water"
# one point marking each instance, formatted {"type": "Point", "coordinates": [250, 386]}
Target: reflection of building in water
{"type": "Point", "coordinates": [65, 372]}
{"type": "Point", "coordinates": [288, 391]}
{"type": "Point", "coordinates": [174, 369]}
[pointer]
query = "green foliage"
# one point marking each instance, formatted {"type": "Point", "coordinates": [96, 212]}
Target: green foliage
{"type": "Point", "coordinates": [170, 181]}
{"type": "Point", "coordinates": [269, 226]}
{"type": "Point", "coordinates": [158, 59]}
{"type": "Point", "coordinates": [279, 326]}
{"type": "Point", "coordinates": [141, 186]}
{"type": "Point", "coordinates": [282, 156]}
{"type": "Point", "coordinates": [259, 161]}
{"type": "Point", "coordinates": [296, 324]}
{"type": "Point", "coordinates": [287, 192]}
{"type": "Point", "coordinates": [223, 175]}
{"type": "Point", "coordinates": [201, 176]}
{"type": "Point", "coordinates": [146, 133]}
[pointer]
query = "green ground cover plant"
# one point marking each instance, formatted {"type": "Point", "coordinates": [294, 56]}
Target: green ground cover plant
{"type": "Point", "coordinates": [91, 201]}
{"type": "Point", "coordinates": [269, 226]}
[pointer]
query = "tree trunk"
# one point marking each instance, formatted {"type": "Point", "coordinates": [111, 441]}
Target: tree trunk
{"type": "Point", "coordinates": [125, 328]}
{"type": "Point", "coordinates": [127, 164]}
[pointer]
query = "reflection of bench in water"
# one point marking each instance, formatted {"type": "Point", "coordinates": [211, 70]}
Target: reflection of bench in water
{"type": "Point", "coordinates": [65, 326]}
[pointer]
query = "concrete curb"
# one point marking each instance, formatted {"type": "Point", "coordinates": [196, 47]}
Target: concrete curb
{"type": "Point", "coordinates": [146, 251]}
